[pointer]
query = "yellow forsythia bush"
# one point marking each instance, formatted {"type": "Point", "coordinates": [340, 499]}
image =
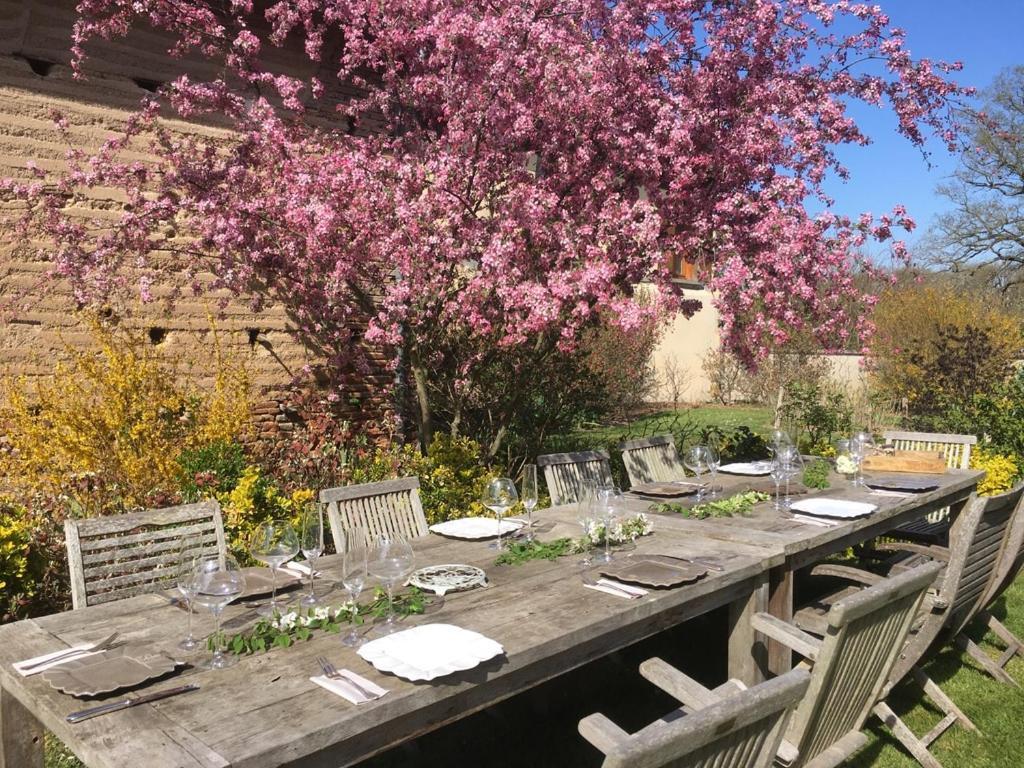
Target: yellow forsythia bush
{"type": "Point", "coordinates": [1001, 471]}
{"type": "Point", "coordinates": [105, 432]}
{"type": "Point", "coordinates": [16, 581]}
{"type": "Point", "coordinates": [255, 500]}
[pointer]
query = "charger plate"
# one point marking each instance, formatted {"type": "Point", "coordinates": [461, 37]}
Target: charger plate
{"type": "Point", "coordinates": [666, 490]}
{"type": "Point", "coordinates": [910, 483]}
{"type": "Point", "coordinates": [654, 571]}
{"type": "Point", "coordinates": [258, 581]}
{"type": "Point", "coordinates": [109, 671]}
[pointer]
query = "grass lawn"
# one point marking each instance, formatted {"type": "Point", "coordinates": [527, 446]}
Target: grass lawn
{"type": "Point", "coordinates": [725, 417]}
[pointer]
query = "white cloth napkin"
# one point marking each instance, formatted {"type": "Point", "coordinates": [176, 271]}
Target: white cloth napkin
{"type": "Point", "coordinates": [346, 690]}
{"type": "Point", "coordinates": [896, 494]}
{"type": "Point", "coordinates": [299, 567]}
{"type": "Point", "coordinates": [19, 666]}
{"type": "Point", "coordinates": [816, 521]}
{"type": "Point", "coordinates": [610, 587]}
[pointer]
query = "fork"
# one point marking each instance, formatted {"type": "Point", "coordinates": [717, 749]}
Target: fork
{"type": "Point", "coordinates": [102, 645]}
{"type": "Point", "coordinates": [332, 672]}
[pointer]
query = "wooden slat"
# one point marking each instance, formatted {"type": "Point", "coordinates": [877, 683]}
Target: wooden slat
{"type": "Point", "coordinates": [388, 508]}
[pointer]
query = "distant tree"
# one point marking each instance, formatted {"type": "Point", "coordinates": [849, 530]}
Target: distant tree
{"type": "Point", "coordinates": [984, 234]}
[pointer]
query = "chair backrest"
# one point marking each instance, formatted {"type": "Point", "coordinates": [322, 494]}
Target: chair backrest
{"type": "Point", "coordinates": [865, 634]}
{"type": "Point", "coordinates": [1012, 558]}
{"type": "Point", "coordinates": [652, 459]}
{"type": "Point", "coordinates": [957, 448]}
{"type": "Point", "coordinates": [391, 507]}
{"type": "Point", "coordinates": [976, 543]}
{"type": "Point", "coordinates": [111, 558]}
{"type": "Point", "coordinates": [564, 473]}
{"type": "Point", "coordinates": [742, 730]}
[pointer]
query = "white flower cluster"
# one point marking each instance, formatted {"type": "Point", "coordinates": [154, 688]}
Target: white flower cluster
{"type": "Point", "coordinates": [845, 465]}
{"type": "Point", "coordinates": [288, 621]}
{"type": "Point", "coordinates": [621, 530]}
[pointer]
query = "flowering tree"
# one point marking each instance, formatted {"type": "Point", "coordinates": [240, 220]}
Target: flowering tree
{"type": "Point", "coordinates": [493, 176]}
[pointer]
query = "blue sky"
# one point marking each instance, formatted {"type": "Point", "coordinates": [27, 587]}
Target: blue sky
{"type": "Point", "coordinates": [987, 36]}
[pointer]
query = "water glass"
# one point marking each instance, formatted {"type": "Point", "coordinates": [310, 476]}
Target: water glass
{"type": "Point", "coordinates": [218, 580]}
{"type": "Point", "coordinates": [860, 447]}
{"type": "Point", "coordinates": [274, 543]}
{"type": "Point", "coordinates": [695, 459]}
{"type": "Point", "coordinates": [499, 496]}
{"type": "Point", "coordinates": [353, 574]}
{"type": "Point", "coordinates": [187, 587]}
{"type": "Point", "coordinates": [713, 462]}
{"type": "Point", "coordinates": [390, 560]}
{"type": "Point", "coordinates": [312, 545]}
{"type": "Point", "coordinates": [529, 496]}
{"type": "Point", "coordinates": [585, 516]}
{"type": "Point", "coordinates": [608, 507]}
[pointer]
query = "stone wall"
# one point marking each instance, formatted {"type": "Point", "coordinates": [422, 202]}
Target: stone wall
{"type": "Point", "coordinates": [36, 81]}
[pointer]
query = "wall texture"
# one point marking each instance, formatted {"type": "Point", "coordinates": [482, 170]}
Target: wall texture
{"type": "Point", "coordinates": [36, 81]}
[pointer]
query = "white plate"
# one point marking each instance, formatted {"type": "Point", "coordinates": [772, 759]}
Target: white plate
{"type": "Point", "coordinates": [747, 468]}
{"type": "Point", "coordinates": [833, 507]}
{"type": "Point", "coordinates": [452, 577]}
{"type": "Point", "coordinates": [429, 651]}
{"type": "Point", "coordinates": [475, 527]}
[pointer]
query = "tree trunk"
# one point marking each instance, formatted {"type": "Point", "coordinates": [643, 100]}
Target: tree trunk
{"type": "Point", "coordinates": [425, 420]}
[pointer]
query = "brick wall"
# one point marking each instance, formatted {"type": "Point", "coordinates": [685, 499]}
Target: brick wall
{"type": "Point", "coordinates": [35, 80]}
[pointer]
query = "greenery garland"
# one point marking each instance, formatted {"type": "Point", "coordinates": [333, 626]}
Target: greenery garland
{"type": "Point", "coordinates": [738, 504]}
{"type": "Point", "coordinates": [284, 630]}
{"type": "Point", "coordinates": [519, 552]}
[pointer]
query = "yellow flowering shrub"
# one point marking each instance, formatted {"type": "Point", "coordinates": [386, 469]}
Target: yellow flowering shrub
{"type": "Point", "coordinates": [17, 583]}
{"type": "Point", "coordinates": [1001, 471]}
{"type": "Point", "coordinates": [107, 429]}
{"type": "Point", "coordinates": [255, 500]}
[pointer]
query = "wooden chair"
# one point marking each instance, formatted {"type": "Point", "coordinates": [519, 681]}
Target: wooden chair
{"type": "Point", "coordinates": [851, 666]}
{"type": "Point", "coordinates": [652, 459]}
{"type": "Point", "coordinates": [729, 730]}
{"type": "Point", "coordinates": [111, 558]}
{"type": "Point", "coordinates": [933, 528]}
{"type": "Point", "coordinates": [977, 539]}
{"type": "Point", "coordinates": [391, 507]}
{"type": "Point", "coordinates": [565, 472]}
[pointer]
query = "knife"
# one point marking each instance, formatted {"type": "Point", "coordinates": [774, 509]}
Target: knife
{"type": "Point", "coordinates": [114, 706]}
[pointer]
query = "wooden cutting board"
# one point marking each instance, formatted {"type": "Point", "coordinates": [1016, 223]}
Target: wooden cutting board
{"type": "Point", "coordinates": [924, 462]}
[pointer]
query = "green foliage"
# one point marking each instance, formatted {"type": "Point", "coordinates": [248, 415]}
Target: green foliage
{"type": "Point", "coordinates": [737, 504]}
{"type": "Point", "coordinates": [739, 444]}
{"type": "Point", "coordinates": [213, 468]}
{"type": "Point", "coordinates": [815, 417]}
{"type": "Point", "coordinates": [17, 580]}
{"type": "Point", "coordinates": [816, 474]}
{"type": "Point", "coordinates": [519, 552]}
{"type": "Point", "coordinates": [1001, 470]}
{"type": "Point", "coordinates": [256, 499]}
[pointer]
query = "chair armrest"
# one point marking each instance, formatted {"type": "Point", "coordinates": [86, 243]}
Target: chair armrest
{"type": "Point", "coordinates": [602, 732]}
{"type": "Point", "coordinates": [847, 572]}
{"type": "Point", "coordinates": [796, 639]}
{"type": "Point", "coordinates": [685, 689]}
{"type": "Point", "coordinates": [933, 551]}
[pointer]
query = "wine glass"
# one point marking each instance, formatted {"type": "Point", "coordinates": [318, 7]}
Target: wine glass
{"type": "Point", "coordinates": [529, 496]}
{"type": "Point", "coordinates": [218, 581]}
{"type": "Point", "coordinates": [187, 587]}
{"type": "Point", "coordinates": [713, 462]}
{"type": "Point", "coordinates": [779, 473]}
{"type": "Point", "coordinates": [585, 516]}
{"type": "Point", "coordinates": [793, 467]}
{"type": "Point", "coordinates": [353, 575]}
{"type": "Point", "coordinates": [499, 496]}
{"type": "Point", "coordinates": [312, 545]}
{"type": "Point", "coordinates": [695, 460]}
{"type": "Point", "coordinates": [860, 446]}
{"type": "Point", "coordinates": [274, 543]}
{"type": "Point", "coordinates": [390, 560]}
{"type": "Point", "coordinates": [608, 504]}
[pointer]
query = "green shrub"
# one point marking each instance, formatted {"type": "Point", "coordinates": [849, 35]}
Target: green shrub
{"type": "Point", "coordinates": [214, 468]}
{"type": "Point", "coordinates": [815, 417]}
{"type": "Point", "coordinates": [17, 583]}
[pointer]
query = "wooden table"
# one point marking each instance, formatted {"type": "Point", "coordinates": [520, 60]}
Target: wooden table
{"type": "Point", "coordinates": [264, 711]}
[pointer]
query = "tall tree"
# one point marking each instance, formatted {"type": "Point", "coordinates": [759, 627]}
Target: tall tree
{"type": "Point", "coordinates": [502, 173]}
{"type": "Point", "coordinates": [985, 231]}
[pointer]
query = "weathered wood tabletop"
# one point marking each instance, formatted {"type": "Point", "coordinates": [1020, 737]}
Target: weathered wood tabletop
{"type": "Point", "coordinates": [264, 711]}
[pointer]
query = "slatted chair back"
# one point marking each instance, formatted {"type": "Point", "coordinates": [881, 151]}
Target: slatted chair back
{"type": "Point", "coordinates": [739, 731]}
{"type": "Point", "coordinates": [652, 459]}
{"type": "Point", "coordinates": [1012, 558]}
{"type": "Point", "coordinates": [392, 507]}
{"type": "Point", "coordinates": [111, 558]}
{"type": "Point", "coordinates": [565, 473]}
{"type": "Point", "coordinates": [866, 632]}
{"type": "Point", "coordinates": [956, 448]}
{"type": "Point", "coordinates": [976, 544]}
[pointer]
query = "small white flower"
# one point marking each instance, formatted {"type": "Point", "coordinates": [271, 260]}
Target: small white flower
{"type": "Point", "coordinates": [288, 620]}
{"type": "Point", "coordinates": [322, 613]}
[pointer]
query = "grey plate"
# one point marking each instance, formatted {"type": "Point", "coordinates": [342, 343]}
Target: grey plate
{"type": "Point", "coordinates": [258, 581]}
{"type": "Point", "coordinates": [666, 490]}
{"type": "Point", "coordinates": [913, 483]}
{"type": "Point", "coordinates": [654, 571]}
{"type": "Point", "coordinates": [109, 671]}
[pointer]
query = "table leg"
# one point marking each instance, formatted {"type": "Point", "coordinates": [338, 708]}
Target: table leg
{"type": "Point", "coordinates": [21, 735]}
{"type": "Point", "coordinates": [748, 658]}
{"type": "Point", "coordinates": [780, 605]}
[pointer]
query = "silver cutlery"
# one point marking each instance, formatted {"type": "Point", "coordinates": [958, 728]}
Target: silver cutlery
{"type": "Point", "coordinates": [102, 645]}
{"type": "Point", "coordinates": [114, 706]}
{"type": "Point", "coordinates": [330, 671]}
{"type": "Point", "coordinates": [697, 561]}
{"type": "Point", "coordinates": [590, 582]}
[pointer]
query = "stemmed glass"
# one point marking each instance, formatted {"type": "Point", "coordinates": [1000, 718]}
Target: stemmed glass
{"type": "Point", "coordinates": [312, 545]}
{"type": "Point", "coordinates": [499, 496]}
{"type": "Point", "coordinates": [782, 461]}
{"type": "Point", "coordinates": [695, 459]}
{"type": "Point", "coordinates": [390, 560]}
{"type": "Point", "coordinates": [187, 586]}
{"type": "Point", "coordinates": [529, 496]}
{"type": "Point", "coordinates": [607, 507]}
{"type": "Point", "coordinates": [585, 516]}
{"type": "Point", "coordinates": [218, 581]}
{"type": "Point", "coordinates": [274, 543]}
{"type": "Point", "coordinates": [860, 445]}
{"type": "Point", "coordinates": [713, 461]}
{"type": "Point", "coordinates": [794, 466]}
{"type": "Point", "coordinates": [353, 575]}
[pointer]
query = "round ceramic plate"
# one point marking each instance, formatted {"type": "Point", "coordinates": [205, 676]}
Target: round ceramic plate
{"type": "Point", "coordinates": [109, 671]}
{"type": "Point", "coordinates": [833, 507]}
{"type": "Point", "coordinates": [441, 579]}
{"type": "Point", "coordinates": [753, 468]}
{"type": "Point", "coordinates": [475, 527]}
{"type": "Point", "coordinates": [430, 651]}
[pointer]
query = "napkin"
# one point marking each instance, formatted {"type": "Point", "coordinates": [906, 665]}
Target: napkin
{"type": "Point", "coordinates": [816, 521]}
{"type": "Point", "coordinates": [610, 587]}
{"type": "Point", "coordinates": [301, 568]}
{"type": "Point", "coordinates": [345, 689]}
{"type": "Point", "coordinates": [895, 494]}
{"type": "Point", "coordinates": [19, 666]}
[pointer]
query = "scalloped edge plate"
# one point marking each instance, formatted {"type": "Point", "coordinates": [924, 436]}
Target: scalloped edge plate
{"type": "Point", "coordinates": [387, 654]}
{"type": "Point", "coordinates": [109, 671]}
{"type": "Point", "coordinates": [424, 578]}
{"type": "Point", "coordinates": [473, 528]}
